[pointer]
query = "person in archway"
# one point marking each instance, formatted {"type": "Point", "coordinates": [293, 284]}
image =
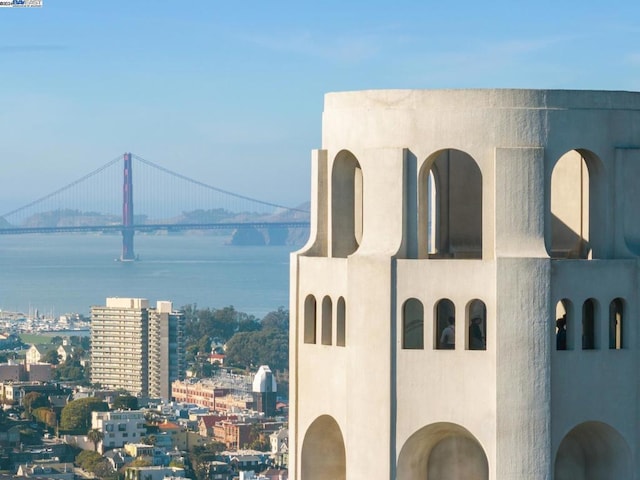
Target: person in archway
{"type": "Point", "coordinates": [448, 337]}
{"type": "Point", "coordinates": [561, 333]}
{"type": "Point", "coordinates": [476, 338]}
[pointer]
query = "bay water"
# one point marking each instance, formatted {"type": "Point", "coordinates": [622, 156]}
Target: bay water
{"type": "Point", "coordinates": [65, 273]}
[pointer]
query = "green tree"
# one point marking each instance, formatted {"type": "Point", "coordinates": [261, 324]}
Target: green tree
{"type": "Point", "coordinates": [125, 402]}
{"type": "Point", "coordinates": [200, 457]}
{"type": "Point", "coordinates": [71, 370]}
{"type": "Point", "coordinates": [278, 320]}
{"type": "Point", "coordinates": [51, 357]}
{"type": "Point", "coordinates": [76, 415]}
{"type": "Point", "coordinates": [33, 400]}
{"type": "Point", "coordinates": [95, 436]}
{"type": "Point", "coordinates": [266, 347]}
{"type": "Point", "coordinates": [249, 325]}
{"type": "Point", "coordinates": [45, 415]}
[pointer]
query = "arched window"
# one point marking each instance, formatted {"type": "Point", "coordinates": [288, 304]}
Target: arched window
{"type": "Point", "coordinates": [577, 217]}
{"type": "Point", "coordinates": [327, 320]}
{"type": "Point", "coordinates": [564, 325]}
{"type": "Point", "coordinates": [616, 315]}
{"type": "Point", "coordinates": [450, 206]}
{"type": "Point", "coordinates": [413, 325]}
{"type": "Point", "coordinates": [310, 319]}
{"type": "Point", "coordinates": [340, 323]}
{"type": "Point", "coordinates": [589, 327]}
{"type": "Point", "coordinates": [444, 326]}
{"type": "Point", "coordinates": [346, 205]}
{"type": "Point", "coordinates": [476, 325]}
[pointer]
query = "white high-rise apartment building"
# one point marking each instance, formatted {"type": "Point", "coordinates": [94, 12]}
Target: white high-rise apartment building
{"type": "Point", "coordinates": [137, 348]}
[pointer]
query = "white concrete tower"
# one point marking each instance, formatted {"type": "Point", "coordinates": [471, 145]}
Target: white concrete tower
{"type": "Point", "coordinates": [450, 229]}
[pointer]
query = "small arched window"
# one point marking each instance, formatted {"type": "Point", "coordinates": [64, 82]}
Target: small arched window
{"type": "Point", "coordinates": [589, 327]}
{"type": "Point", "coordinates": [444, 326]}
{"type": "Point", "coordinates": [310, 319]}
{"type": "Point", "coordinates": [564, 325]}
{"type": "Point", "coordinates": [413, 325]}
{"type": "Point", "coordinates": [340, 323]}
{"type": "Point", "coordinates": [616, 316]}
{"type": "Point", "coordinates": [327, 320]}
{"type": "Point", "coordinates": [477, 325]}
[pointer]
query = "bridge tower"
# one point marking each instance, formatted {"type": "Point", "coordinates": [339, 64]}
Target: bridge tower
{"type": "Point", "coordinates": [127, 212]}
{"type": "Point", "coordinates": [466, 306]}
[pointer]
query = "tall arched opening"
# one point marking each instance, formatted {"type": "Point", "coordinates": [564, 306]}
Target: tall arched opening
{"type": "Point", "coordinates": [442, 451]}
{"type": "Point", "coordinates": [578, 207]}
{"type": "Point", "coordinates": [476, 325]}
{"type": "Point", "coordinates": [564, 325]}
{"type": "Point", "coordinates": [444, 325]}
{"type": "Point", "coordinates": [346, 205]}
{"type": "Point", "coordinates": [593, 451]}
{"type": "Point", "coordinates": [413, 324]}
{"type": "Point", "coordinates": [310, 319]}
{"type": "Point", "coordinates": [323, 451]}
{"type": "Point", "coordinates": [450, 206]}
{"type": "Point", "coordinates": [327, 321]}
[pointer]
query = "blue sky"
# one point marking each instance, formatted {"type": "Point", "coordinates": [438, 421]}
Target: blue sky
{"type": "Point", "coordinates": [231, 93]}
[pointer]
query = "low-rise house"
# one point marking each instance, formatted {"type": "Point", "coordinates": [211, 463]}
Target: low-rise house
{"type": "Point", "coordinates": [11, 372]}
{"type": "Point", "coordinates": [219, 471]}
{"type": "Point", "coordinates": [65, 352]}
{"type": "Point", "coordinates": [40, 372]}
{"type": "Point", "coordinates": [10, 437]}
{"type": "Point", "coordinates": [59, 471]}
{"type": "Point", "coordinates": [206, 423]}
{"type": "Point", "coordinates": [153, 473]}
{"type": "Point", "coordinates": [36, 352]}
{"type": "Point", "coordinates": [118, 458]}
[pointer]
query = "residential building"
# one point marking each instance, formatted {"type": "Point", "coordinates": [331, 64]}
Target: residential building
{"type": "Point", "coordinates": [469, 292]}
{"type": "Point", "coordinates": [119, 427]}
{"type": "Point", "coordinates": [36, 352]}
{"type": "Point", "coordinates": [136, 347]}
{"type": "Point", "coordinates": [152, 473]}
{"type": "Point", "coordinates": [166, 349]}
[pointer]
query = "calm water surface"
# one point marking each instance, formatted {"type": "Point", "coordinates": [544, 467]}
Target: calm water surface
{"type": "Point", "coordinates": [68, 273]}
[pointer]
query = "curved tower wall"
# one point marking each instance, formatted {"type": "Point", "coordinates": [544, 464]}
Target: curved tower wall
{"type": "Point", "coordinates": [394, 252]}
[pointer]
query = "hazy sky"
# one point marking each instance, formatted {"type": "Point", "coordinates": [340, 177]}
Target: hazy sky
{"type": "Point", "coordinates": [231, 93]}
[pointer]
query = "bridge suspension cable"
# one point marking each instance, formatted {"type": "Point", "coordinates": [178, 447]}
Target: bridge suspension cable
{"type": "Point", "coordinates": [66, 187]}
{"type": "Point", "coordinates": [211, 187]}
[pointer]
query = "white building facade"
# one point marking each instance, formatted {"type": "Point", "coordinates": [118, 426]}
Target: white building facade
{"type": "Point", "coordinates": [119, 427]}
{"type": "Point", "coordinates": [454, 234]}
{"type": "Point", "coordinates": [136, 347]}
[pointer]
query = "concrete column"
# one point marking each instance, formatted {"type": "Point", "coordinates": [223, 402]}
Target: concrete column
{"type": "Point", "coordinates": [519, 202]}
{"type": "Point", "coordinates": [523, 393]}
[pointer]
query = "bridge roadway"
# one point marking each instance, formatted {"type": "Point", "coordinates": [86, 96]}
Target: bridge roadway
{"type": "Point", "coordinates": [170, 227]}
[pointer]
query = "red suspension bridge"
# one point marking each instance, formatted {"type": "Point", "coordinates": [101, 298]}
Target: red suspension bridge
{"type": "Point", "coordinates": [103, 201]}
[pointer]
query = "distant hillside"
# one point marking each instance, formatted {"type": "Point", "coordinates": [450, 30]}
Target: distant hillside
{"type": "Point", "coordinates": [69, 217]}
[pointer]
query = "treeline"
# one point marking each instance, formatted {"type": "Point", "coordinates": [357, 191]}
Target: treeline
{"type": "Point", "coordinates": [250, 342]}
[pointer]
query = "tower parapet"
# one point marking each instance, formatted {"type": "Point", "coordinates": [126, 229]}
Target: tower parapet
{"type": "Point", "coordinates": [466, 292]}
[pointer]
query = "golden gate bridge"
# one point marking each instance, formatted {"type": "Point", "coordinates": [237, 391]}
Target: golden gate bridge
{"type": "Point", "coordinates": [103, 201]}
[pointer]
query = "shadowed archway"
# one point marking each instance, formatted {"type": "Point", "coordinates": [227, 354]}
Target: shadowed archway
{"type": "Point", "coordinates": [323, 451]}
{"type": "Point", "coordinates": [442, 451]}
{"type": "Point", "coordinates": [593, 451]}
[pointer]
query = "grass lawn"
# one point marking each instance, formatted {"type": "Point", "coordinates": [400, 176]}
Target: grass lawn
{"type": "Point", "coordinates": [30, 338]}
